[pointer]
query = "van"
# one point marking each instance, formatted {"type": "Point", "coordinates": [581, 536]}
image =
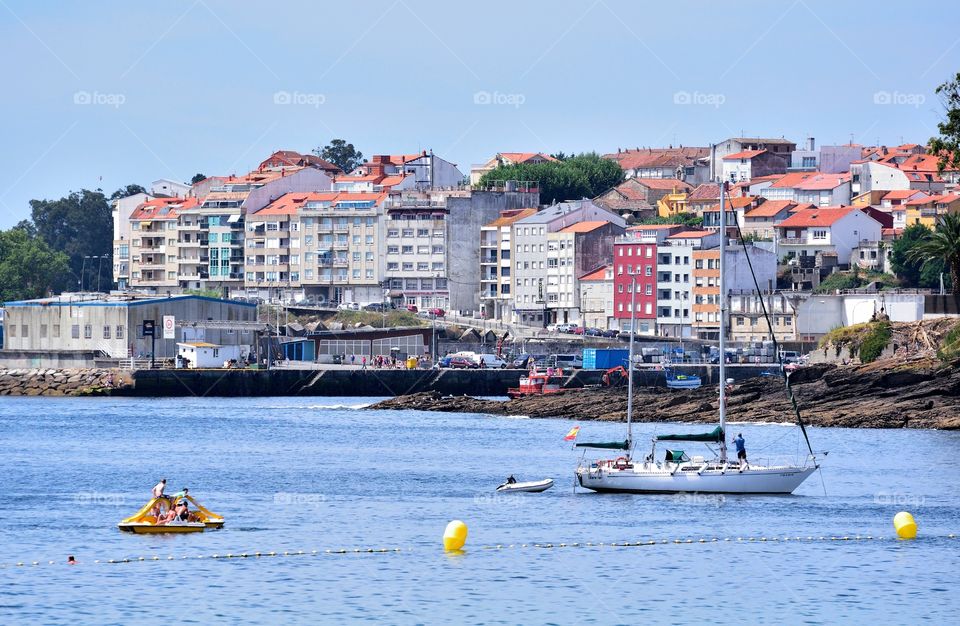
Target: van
{"type": "Point", "coordinates": [789, 357]}
{"type": "Point", "coordinates": [566, 361]}
{"type": "Point", "coordinates": [490, 361]}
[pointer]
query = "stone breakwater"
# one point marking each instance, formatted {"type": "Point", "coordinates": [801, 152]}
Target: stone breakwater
{"type": "Point", "coordinates": [62, 382]}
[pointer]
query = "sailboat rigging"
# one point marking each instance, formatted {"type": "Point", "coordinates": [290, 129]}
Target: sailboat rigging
{"type": "Point", "coordinates": [677, 472]}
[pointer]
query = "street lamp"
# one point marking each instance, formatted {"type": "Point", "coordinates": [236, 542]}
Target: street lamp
{"type": "Point", "coordinates": [99, 264]}
{"type": "Point", "coordinates": [83, 269]}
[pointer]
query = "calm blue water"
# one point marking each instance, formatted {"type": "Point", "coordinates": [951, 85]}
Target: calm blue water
{"type": "Point", "coordinates": [308, 473]}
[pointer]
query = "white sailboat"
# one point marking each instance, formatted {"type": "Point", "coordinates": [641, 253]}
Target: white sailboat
{"type": "Point", "coordinates": [675, 471]}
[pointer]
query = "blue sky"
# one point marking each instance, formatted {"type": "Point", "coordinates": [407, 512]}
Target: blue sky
{"type": "Point", "coordinates": [101, 94]}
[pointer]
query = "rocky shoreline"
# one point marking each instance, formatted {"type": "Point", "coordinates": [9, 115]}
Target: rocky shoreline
{"type": "Point", "coordinates": [62, 382]}
{"type": "Point", "coordinates": [919, 394]}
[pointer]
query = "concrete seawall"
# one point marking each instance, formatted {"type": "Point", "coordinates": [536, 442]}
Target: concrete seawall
{"type": "Point", "coordinates": [289, 382]}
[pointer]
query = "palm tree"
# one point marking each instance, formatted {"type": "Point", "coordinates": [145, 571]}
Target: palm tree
{"type": "Point", "coordinates": [944, 244]}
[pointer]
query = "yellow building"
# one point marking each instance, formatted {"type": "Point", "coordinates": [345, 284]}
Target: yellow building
{"type": "Point", "coordinates": [672, 204]}
{"type": "Point", "coordinates": [927, 210]}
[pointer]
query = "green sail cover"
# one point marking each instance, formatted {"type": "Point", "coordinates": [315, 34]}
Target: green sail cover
{"type": "Point", "coordinates": [714, 436]}
{"type": "Point", "coordinates": [608, 445]}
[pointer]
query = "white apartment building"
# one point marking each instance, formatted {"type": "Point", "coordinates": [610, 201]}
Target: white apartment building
{"type": "Point", "coordinates": [596, 298]}
{"type": "Point", "coordinates": [675, 280]}
{"type": "Point", "coordinates": [530, 253]}
{"type": "Point", "coordinates": [415, 242]}
{"type": "Point", "coordinates": [496, 262]}
{"type": "Point", "coordinates": [121, 209]}
{"type": "Point", "coordinates": [154, 264]}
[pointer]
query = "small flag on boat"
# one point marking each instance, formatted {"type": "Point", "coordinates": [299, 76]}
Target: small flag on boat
{"type": "Point", "coordinates": [572, 435]}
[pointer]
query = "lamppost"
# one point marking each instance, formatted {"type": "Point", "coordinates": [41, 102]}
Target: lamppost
{"type": "Point", "coordinates": [99, 264]}
{"type": "Point", "coordinates": [83, 269]}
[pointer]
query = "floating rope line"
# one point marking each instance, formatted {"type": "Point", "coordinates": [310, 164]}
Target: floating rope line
{"type": "Point", "coordinates": [511, 546]}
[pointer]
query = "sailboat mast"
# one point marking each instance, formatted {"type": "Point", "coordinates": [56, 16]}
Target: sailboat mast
{"type": "Point", "coordinates": [633, 331]}
{"type": "Point", "coordinates": [723, 327]}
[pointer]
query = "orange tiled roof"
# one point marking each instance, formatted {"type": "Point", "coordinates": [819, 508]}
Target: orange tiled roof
{"type": "Point", "coordinates": [523, 157]}
{"type": "Point", "coordinates": [163, 208]}
{"type": "Point", "coordinates": [289, 203]}
{"type": "Point", "coordinates": [583, 227]}
{"type": "Point", "coordinates": [664, 183]}
{"type": "Point", "coordinates": [816, 217]}
{"type": "Point", "coordinates": [509, 217]}
{"type": "Point", "coordinates": [690, 234]}
{"type": "Point", "coordinates": [598, 274]}
{"type": "Point", "coordinates": [746, 154]}
{"type": "Point", "coordinates": [732, 203]}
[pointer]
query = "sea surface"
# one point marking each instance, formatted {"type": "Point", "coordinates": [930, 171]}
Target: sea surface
{"type": "Point", "coordinates": [305, 474]}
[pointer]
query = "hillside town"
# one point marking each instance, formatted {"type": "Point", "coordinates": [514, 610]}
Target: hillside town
{"type": "Point", "coordinates": [414, 230]}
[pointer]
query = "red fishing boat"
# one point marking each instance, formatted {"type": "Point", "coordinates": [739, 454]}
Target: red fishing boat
{"type": "Point", "coordinates": [538, 384]}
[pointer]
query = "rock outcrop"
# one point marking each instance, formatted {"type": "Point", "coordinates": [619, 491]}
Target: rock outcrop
{"type": "Point", "coordinates": [887, 394]}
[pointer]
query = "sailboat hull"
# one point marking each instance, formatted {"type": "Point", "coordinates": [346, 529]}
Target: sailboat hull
{"type": "Point", "coordinates": [654, 479]}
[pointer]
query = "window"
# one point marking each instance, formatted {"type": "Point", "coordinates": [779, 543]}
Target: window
{"type": "Point", "coordinates": [106, 332]}
{"type": "Point", "coordinates": [75, 331]}
{"type": "Point", "coordinates": [56, 331]}
{"type": "Point", "coordinates": [819, 234]}
{"type": "Point", "coordinates": [119, 333]}
{"type": "Point", "coordinates": [88, 331]}
{"type": "Point", "coordinates": [393, 232]}
{"type": "Point", "coordinates": [648, 270]}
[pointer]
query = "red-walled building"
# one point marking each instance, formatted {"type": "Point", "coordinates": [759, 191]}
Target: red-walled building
{"type": "Point", "coordinates": [635, 256]}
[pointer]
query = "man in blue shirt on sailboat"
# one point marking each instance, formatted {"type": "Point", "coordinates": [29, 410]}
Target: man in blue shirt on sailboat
{"type": "Point", "coordinates": [741, 451]}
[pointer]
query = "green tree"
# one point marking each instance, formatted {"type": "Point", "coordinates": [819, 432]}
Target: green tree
{"type": "Point", "coordinates": [341, 154]}
{"type": "Point", "coordinates": [947, 145]}
{"type": "Point", "coordinates": [943, 245]}
{"type": "Point", "coordinates": [686, 219]}
{"type": "Point", "coordinates": [581, 176]}
{"type": "Point", "coordinates": [197, 178]}
{"type": "Point", "coordinates": [78, 225]}
{"type": "Point", "coordinates": [29, 268]}
{"type": "Point", "coordinates": [129, 190]}
{"type": "Point", "coordinates": [915, 272]}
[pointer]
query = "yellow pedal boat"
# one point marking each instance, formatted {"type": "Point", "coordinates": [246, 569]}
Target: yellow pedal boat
{"type": "Point", "coordinates": [144, 521]}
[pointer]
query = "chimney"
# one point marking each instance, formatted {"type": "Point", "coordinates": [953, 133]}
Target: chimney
{"type": "Point", "coordinates": [811, 143]}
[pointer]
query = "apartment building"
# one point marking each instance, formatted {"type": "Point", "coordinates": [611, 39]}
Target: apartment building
{"type": "Point", "coordinates": [153, 249]}
{"type": "Point", "coordinates": [211, 235]}
{"type": "Point", "coordinates": [506, 158]}
{"type": "Point", "coordinates": [121, 209]}
{"type": "Point", "coordinates": [674, 286]}
{"type": "Point", "coordinates": [321, 245]}
{"type": "Point", "coordinates": [496, 260]}
{"type": "Point", "coordinates": [738, 277]}
{"type": "Point", "coordinates": [572, 251]}
{"type": "Point", "coordinates": [635, 263]}
{"type": "Point", "coordinates": [596, 298]}
{"type": "Point", "coordinates": [416, 240]}
{"type": "Point", "coordinates": [530, 236]}
{"type": "Point", "coordinates": [690, 164]}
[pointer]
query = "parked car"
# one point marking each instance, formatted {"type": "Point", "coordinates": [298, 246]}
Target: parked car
{"type": "Point", "coordinates": [375, 306]}
{"type": "Point", "coordinates": [525, 361]}
{"type": "Point", "coordinates": [611, 333]}
{"type": "Point", "coordinates": [552, 328]}
{"type": "Point", "coordinates": [461, 362]}
{"type": "Point", "coordinates": [436, 312]}
{"type": "Point", "coordinates": [412, 308]}
{"type": "Point", "coordinates": [565, 361]}
{"type": "Point", "coordinates": [564, 328]}
{"type": "Point", "coordinates": [490, 361]}
{"type": "Point", "coordinates": [348, 306]}
{"type": "Point", "coordinates": [790, 357]}
{"type": "Point", "coordinates": [593, 332]}
{"type": "Point", "coordinates": [577, 330]}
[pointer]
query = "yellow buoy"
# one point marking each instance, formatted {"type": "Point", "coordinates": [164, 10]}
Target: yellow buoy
{"type": "Point", "coordinates": [455, 535]}
{"type": "Point", "coordinates": [905, 525]}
